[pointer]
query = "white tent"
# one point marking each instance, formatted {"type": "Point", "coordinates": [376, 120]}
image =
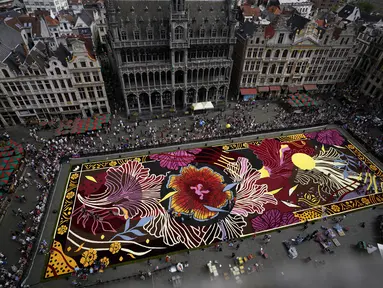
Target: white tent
{"type": "Point", "coordinates": [202, 106]}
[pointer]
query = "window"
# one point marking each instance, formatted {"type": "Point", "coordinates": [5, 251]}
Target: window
{"type": "Point", "coordinates": [163, 34]}
{"type": "Point", "coordinates": [202, 33]}
{"type": "Point", "coordinates": [268, 53]}
{"type": "Point", "coordinates": [294, 54]}
{"type": "Point", "coordinates": [82, 93]}
{"type": "Point", "coordinates": [179, 33]}
{"type": "Point", "coordinates": [252, 64]}
{"type": "Point", "coordinates": [276, 54]}
{"type": "Point", "coordinates": [48, 85]}
{"type": "Point", "coordinates": [190, 33]}
{"type": "Point", "coordinates": [308, 54]}
{"type": "Point", "coordinates": [284, 54]}
{"type": "Point", "coordinates": [249, 52]}
{"type": "Point", "coordinates": [150, 34]}
{"type": "Point", "coordinates": [289, 68]}
{"type": "Point", "coordinates": [91, 93]}
{"type": "Point", "coordinates": [58, 71]}
{"type": "Point", "coordinates": [326, 40]}
{"type": "Point", "coordinates": [5, 73]}
{"type": "Point", "coordinates": [77, 77]}
{"type": "Point", "coordinates": [273, 69]}
{"type": "Point", "coordinates": [224, 32]}
{"type": "Point", "coordinates": [99, 92]}
{"type": "Point", "coordinates": [55, 84]}
{"type": "Point", "coordinates": [280, 38]}
{"type": "Point", "coordinates": [260, 52]}
{"type": "Point", "coordinates": [87, 77]}
{"type": "Point", "coordinates": [136, 35]}
{"type": "Point", "coordinates": [302, 54]}
{"type": "Point", "coordinates": [83, 64]}
{"type": "Point", "coordinates": [255, 52]}
{"type": "Point", "coordinates": [247, 64]}
{"type": "Point", "coordinates": [265, 68]}
{"type": "Point", "coordinates": [244, 79]}
{"type": "Point", "coordinates": [280, 68]}
{"type": "Point", "coordinates": [123, 35]}
{"type": "Point", "coordinates": [213, 32]}
{"type": "Point", "coordinates": [96, 76]}
{"type": "Point", "coordinates": [62, 83]}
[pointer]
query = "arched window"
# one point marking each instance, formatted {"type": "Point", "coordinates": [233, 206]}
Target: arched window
{"type": "Point", "coordinates": [58, 71]}
{"type": "Point", "coordinates": [273, 68]}
{"type": "Point", "coordinates": [5, 72]}
{"type": "Point", "coordinates": [179, 33]}
{"type": "Point", "coordinates": [276, 54]}
{"type": "Point", "coordinates": [284, 54]}
{"type": "Point", "coordinates": [268, 53]}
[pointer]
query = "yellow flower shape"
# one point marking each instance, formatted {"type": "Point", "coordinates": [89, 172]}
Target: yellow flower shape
{"type": "Point", "coordinates": [88, 257]}
{"type": "Point", "coordinates": [112, 163]}
{"type": "Point", "coordinates": [137, 159]}
{"type": "Point", "coordinates": [74, 176]}
{"type": "Point", "coordinates": [70, 195]}
{"type": "Point", "coordinates": [225, 147]}
{"type": "Point", "coordinates": [115, 247]}
{"type": "Point", "coordinates": [105, 261]}
{"type": "Point", "coordinates": [62, 230]}
{"type": "Point", "coordinates": [335, 208]}
{"type": "Point", "coordinates": [366, 201]}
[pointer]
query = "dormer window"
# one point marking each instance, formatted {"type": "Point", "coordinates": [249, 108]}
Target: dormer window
{"type": "Point", "coordinates": [163, 34]}
{"type": "Point", "coordinates": [150, 34]}
{"type": "Point", "coordinates": [123, 35]}
{"type": "Point", "coordinates": [213, 32]}
{"type": "Point", "coordinates": [136, 35]}
{"type": "Point", "coordinates": [202, 33]}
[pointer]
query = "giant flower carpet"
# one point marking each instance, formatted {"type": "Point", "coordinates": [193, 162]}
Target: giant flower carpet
{"type": "Point", "coordinates": [121, 210]}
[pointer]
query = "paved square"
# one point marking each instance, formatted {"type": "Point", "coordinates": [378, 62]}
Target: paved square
{"type": "Point", "coordinates": [121, 210]}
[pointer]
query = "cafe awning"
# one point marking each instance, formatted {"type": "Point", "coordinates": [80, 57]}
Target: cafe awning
{"type": "Point", "coordinates": [293, 89]}
{"type": "Point", "coordinates": [310, 87]}
{"type": "Point", "coordinates": [202, 106]}
{"type": "Point", "coordinates": [263, 89]}
{"type": "Point", "coordinates": [249, 91]}
{"type": "Point", "coordinates": [275, 88]}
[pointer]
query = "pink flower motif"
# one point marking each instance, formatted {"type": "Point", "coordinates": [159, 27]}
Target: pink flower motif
{"type": "Point", "coordinates": [175, 160]}
{"type": "Point", "coordinates": [328, 137]}
{"type": "Point", "coordinates": [273, 219]}
{"type": "Point", "coordinates": [130, 189]}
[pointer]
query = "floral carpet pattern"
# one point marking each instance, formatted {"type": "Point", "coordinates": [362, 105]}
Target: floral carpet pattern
{"type": "Point", "coordinates": [120, 210]}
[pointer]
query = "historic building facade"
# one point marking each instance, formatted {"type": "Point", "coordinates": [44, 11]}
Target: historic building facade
{"type": "Point", "coordinates": [367, 73]}
{"type": "Point", "coordinates": [40, 84]}
{"type": "Point", "coordinates": [292, 53]}
{"type": "Point", "coordinates": [170, 54]}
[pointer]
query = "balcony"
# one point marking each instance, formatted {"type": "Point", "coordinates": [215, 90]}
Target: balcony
{"type": "Point", "coordinates": [179, 16]}
{"type": "Point", "coordinates": [133, 67]}
{"type": "Point", "coordinates": [139, 43]}
{"type": "Point", "coordinates": [209, 41]}
{"type": "Point", "coordinates": [179, 45]}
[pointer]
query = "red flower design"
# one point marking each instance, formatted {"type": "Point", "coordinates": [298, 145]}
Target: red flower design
{"type": "Point", "coordinates": [197, 188]}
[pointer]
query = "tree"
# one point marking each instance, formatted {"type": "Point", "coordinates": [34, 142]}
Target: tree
{"type": "Point", "coordinates": [366, 7]}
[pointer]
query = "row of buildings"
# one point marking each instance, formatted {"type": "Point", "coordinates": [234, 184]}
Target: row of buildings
{"type": "Point", "coordinates": [48, 67]}
{"type": "Point", "coordinates": [170, 54]}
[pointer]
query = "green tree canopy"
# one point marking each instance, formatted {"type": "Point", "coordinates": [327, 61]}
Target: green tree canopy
{"type": "Point", "coordinates": [366, 6]}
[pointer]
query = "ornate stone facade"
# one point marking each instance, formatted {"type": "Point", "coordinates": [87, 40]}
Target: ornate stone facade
{"type": "Point", "coordinates": [170, 54]}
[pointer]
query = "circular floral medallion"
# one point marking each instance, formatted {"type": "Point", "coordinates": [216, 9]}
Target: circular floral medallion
{"type": "Point", "coordinates": [201, 195]}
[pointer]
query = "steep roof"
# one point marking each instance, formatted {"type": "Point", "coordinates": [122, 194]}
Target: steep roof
{"type": "Point", "coordinates": [297, 22]}
{"type": "Point", "coordinates": [25, 21]}
{"type": "Point", "coordinates": [138, 14]}
{"type": "Point", "coordinates": [247, 11]}
{"type": "Point", "coordinates": [15, 58]}
{"type": "Point", "coordinates": [247, 28]}
{"type": "Point", "coordinates": [38, 55]}
{"type": "Point", "coordinates": [10, 38]}
{"type": "Point", "coordinates": [51, 21]}
{"type": "Point", "coordinates": [346, 11]}
{"type": "Point", "coordinates": [86, 16]}
{"type": "Point", "coordinates": [62, 53]}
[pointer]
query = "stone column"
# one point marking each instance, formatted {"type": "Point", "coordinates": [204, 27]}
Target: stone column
{"type": "Point", "coordinates": [138, 103]}
{"type": "Point", "coordinates": [162, 104]}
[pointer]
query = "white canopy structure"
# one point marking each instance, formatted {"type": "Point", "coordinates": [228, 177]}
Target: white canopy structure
{"type": "Point", "coordinates": [202, 106]}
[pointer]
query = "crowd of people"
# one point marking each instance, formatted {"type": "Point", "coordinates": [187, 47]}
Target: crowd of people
{"type": "Point", "coordinates": [43, 155]}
